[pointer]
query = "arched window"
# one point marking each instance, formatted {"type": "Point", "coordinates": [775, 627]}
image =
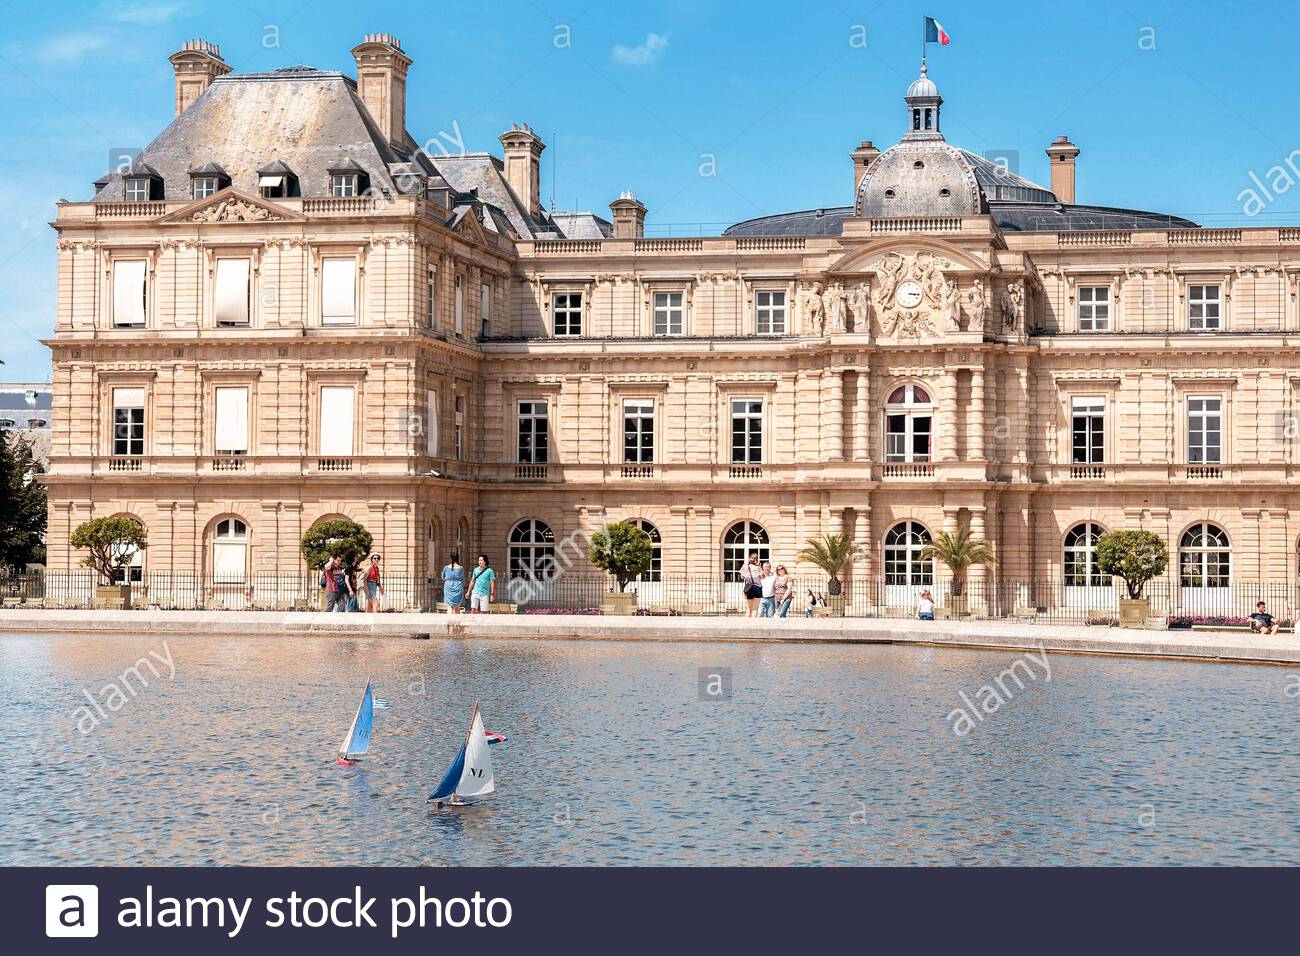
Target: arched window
{"type": "Point", "coordinates": [742, 539]}
{"type": "Point", "coordinates": [1079, 557]}
{"type": "Point", "coordinates": [904, 543]}
{"type": "Point", "coordinates": [909, 418]}
{"type": "Point", "coordinates": [1205, 557]}
{"type": "Point", "coordinates": [229, 551]}
{"type": "Point", "coordinates": [532, 550]}
{"type": "Point", "coordinates": [656, 551]}
{"type": "Point", "coordinates": [131, 571]}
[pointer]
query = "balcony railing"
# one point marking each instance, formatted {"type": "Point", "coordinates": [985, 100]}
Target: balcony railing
{"type": "Point", "coordinates": [1088, 472]}
{"type": "Point", "coordinates": [531, 472]}
{"type": "Point", "coordinates": [125, 463]}
{"type": "Point", "coordinates": [747, 472]}
{"type": "Point", "coordinates": [1203, 472]}
{"type": "Point", "coordinates": [907, 469]}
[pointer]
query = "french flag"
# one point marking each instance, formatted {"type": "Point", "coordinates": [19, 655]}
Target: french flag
{"type": "Point", "coordinates": [935, 33]}
{"type": "Point", "coordinates": [493, 737]}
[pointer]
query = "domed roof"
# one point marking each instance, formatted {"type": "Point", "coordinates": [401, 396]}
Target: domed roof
{"type": "Point", "coordinates": [920, 178]}
{"type": "Point", "coordinates": [923, 85]}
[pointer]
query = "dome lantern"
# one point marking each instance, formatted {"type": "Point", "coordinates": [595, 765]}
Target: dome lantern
{"type": "Point", "coordinates": [923, 103]}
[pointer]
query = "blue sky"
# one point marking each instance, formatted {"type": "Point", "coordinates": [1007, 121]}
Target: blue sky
{"type": "Point", "coordinates": [1173, 104]}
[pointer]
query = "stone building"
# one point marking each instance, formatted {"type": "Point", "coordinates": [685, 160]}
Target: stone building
{"type": "Point", "coordinates": [285, 310]}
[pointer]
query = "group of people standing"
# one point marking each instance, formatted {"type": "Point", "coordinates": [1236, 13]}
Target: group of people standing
{"type": "Point", "coordinates": [346, 585]}
{"type": "Point", "coordinates": [769, 591]}
{"type": "Point", "coordinates": [481, 587]}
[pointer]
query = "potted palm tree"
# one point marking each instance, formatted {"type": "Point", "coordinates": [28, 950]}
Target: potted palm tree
{"type": "Point", "coordinates": [834, 554]}
{"type": "Point", "coordinates": [958, 551]}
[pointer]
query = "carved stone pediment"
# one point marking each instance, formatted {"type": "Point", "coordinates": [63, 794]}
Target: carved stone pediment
{"type": "Point", "coordinates": [230, 206]}
{"type": "Point", "coordinates": [913, 299]}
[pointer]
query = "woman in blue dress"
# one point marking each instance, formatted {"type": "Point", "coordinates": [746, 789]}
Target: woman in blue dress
{"type": "Point", "coordinates": [453, 584]}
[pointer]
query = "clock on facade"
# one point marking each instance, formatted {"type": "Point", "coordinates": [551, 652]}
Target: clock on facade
{"type": "Point", "coordinates": [908, 295]}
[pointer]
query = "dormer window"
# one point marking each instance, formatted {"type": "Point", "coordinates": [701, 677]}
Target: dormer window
{"type": "Point", "coordinates": [137, 189]}
{"type": "Point", "coordinates": [141, 182]}
{"type": "Point", "coordinates": [201, 187]}
{"type": "Point", "coordinates": [348, 179]}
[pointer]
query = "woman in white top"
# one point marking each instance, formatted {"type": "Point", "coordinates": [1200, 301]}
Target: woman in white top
{"type": "Point", "coordinates": [925, 606]}
{"type": "Point", "coordinates": [751, 576]}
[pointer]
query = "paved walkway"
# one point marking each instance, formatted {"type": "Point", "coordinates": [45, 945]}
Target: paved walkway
{"type": "Point", "coordinates": [1003, 635]}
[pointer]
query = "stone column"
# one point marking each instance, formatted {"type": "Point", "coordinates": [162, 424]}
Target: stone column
{"type": "Point", "coordinates": [832, 424]}
{"type": "Point", "coordinates": [975, 448]}
{"type": "Point", "coordinates": [979, 576]}
{"type": "Point", "coordinates": [946, 426]}
{"type": "Point", "coordinates": [862, 416]}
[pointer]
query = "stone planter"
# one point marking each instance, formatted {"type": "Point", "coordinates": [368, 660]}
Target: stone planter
{"type": "Point", "coordinates": [618, 602]}
{"type": "Point", "coordinates": [113, 597]}
{"type": "Point", "coordinates": [1133, 612]}
{"type": "Point", "coordinates": [958, 605]}
{"type": "Point", "coordinates": [835, 605]}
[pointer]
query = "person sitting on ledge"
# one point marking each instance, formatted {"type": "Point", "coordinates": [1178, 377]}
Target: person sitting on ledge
{"type": "Point", "coordinates": [1261, 622]}
{"type": "Point", "coordinates": [925, 606]}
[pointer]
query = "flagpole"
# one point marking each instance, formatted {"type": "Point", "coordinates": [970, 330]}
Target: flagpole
{"type": "Point", "coordinates": [923, 38]}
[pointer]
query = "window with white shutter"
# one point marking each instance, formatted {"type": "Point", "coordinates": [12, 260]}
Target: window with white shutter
{"type": "Point", "coordinates": [129, 293]}
{"type": "Point", "coordinates": [337, 409]}
{"type": "Point", "coordinates": [431, 429]}
{"type": "Point", "coordinates": [338, 291]}
{"type": "Point", "coordinates": [232, 420]}
{"type": "Point", "coordinates": [231, 299]}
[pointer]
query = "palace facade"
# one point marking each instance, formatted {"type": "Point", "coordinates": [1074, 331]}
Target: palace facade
{"type": "Point", "coordinates": [284, 310]}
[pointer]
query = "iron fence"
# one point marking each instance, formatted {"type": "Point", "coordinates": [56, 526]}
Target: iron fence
{"type": "Point", "coordinates": [1053, 602]}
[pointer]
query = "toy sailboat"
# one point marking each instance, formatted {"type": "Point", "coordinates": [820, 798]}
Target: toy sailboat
{"type": "Point", "coordinates": [357, 741]}
{"type": "Point", "coordinates": [470, 774]}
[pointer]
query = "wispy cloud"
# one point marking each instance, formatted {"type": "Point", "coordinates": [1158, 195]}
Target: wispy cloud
{"type": "Point", "coordinates": [69, 47]}
{"type": "Point", "coordinates": [143, 13]}
{"type": "Point", "coordinates": [643, 54]}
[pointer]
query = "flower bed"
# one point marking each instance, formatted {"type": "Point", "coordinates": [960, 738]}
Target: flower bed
{"type": "Point", "coordinates": [657, 612]}
{"type": "Point", "coordinates": [1217, 620]}
{"type": "Point", "coordinates": [561, 610]}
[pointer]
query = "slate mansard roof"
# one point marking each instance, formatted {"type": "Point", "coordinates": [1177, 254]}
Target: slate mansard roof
{"type": "Point", "coordinates": [310, 121]}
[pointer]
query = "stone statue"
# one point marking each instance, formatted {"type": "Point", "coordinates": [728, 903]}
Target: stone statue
{"type": "Point", "coordinates": [890, 271]}
{"type": "Point", "coordinates": [1013, 306]}
{"type": "Point", "coordinates": [812, 319]}
{"type": "Point", "coordinates": [233, 210]}
{"type": "Point", "coordinates": [951, 310]}
{"type": "Point", "coordinates": [976, 305]}
{"type": "Point", "coordinates": [833, 309]}
{"type": "Point", "coordinates": [860, 306]}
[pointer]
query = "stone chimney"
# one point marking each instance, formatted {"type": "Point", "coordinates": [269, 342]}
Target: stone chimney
{"type": "Point", "coordinates": [197, 64]}
{"type": "Point", "coordinates": [1062, 154]}
{"type": "Point", "coordinates": [523, 150]}
{"type": "Point", "coordinates": [381, 83]}
{"type": "Point", "coordinates": [863, 157]}
{"type": "Point", "coordinates": [629, 217]}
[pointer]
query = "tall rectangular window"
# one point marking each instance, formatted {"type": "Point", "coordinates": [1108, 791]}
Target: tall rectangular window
{"type": "Point", "coordinates": [533, 438]}
{"type": "Point", "coordinates": [746, 431]}
{"type": "Point", "coordinates": [1088, 431]}
{"type": "Point", "coordinates": [433, 296]}
{"type": "Point", "coordinates": [1204, 308]}
{"type": "Point", "coordinates": [485, 310]}
{"type": "Point", "coordinates": [460, 308]}
{"type": "Point", "coordinates": [566, 313]}
{"type": "Point", "coordinates": [638, 431]}
{"type": "Point", "coordinates": [1205, 431]}
{"type": "Point", "coordinates": [338, 281]}
{"type": "Point", "coordinates": [769, 317]}
{"type": "Point", "coordinates": [431, 423]}
{"type": "Point", "coordinates": [129, 293]}
{"type": "Point", "coordinates": [460, 427]}
{"type": "Point", "coordinates": [231, 299]}
{"type": "Point", "coordinates": [337, 412]}
{"type": "Point", "coordinates": [1094, 308]}
{"type": "Point", "coordinates": [669, 313]}
{"type": "Point", "coordinates": [231, 435]}
{"type": "Point", "coordinates": [128, 421]}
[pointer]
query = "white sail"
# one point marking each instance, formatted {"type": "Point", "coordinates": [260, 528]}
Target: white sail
{"type": "Point", "coordinates": [357, 740]}
{"type": "Point", "coordinates": [476, 779]}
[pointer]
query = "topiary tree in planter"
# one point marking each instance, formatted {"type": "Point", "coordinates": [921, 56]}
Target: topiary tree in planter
{"type": "Point", "coordinates": [623, 550]}
{"type": "Point", "coordinates": [959, 551]}
{"type": "Point", "coordinates": [1137, 557]}
{"type": "Point", "coordinates": [111, 543]}
{"type": "Point", "coordinates": [834, 554]}
{"type": "Point", "coordinates": [340, 536]}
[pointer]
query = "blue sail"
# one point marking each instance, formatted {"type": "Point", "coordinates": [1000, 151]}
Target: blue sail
{"type": "Point", "coordinates": [451, 779]}
{"type": "Point", "coordinates": [357, 741]}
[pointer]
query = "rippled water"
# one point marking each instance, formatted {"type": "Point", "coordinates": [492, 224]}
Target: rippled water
{"type": "Point", "coordinates": [823, 755]}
